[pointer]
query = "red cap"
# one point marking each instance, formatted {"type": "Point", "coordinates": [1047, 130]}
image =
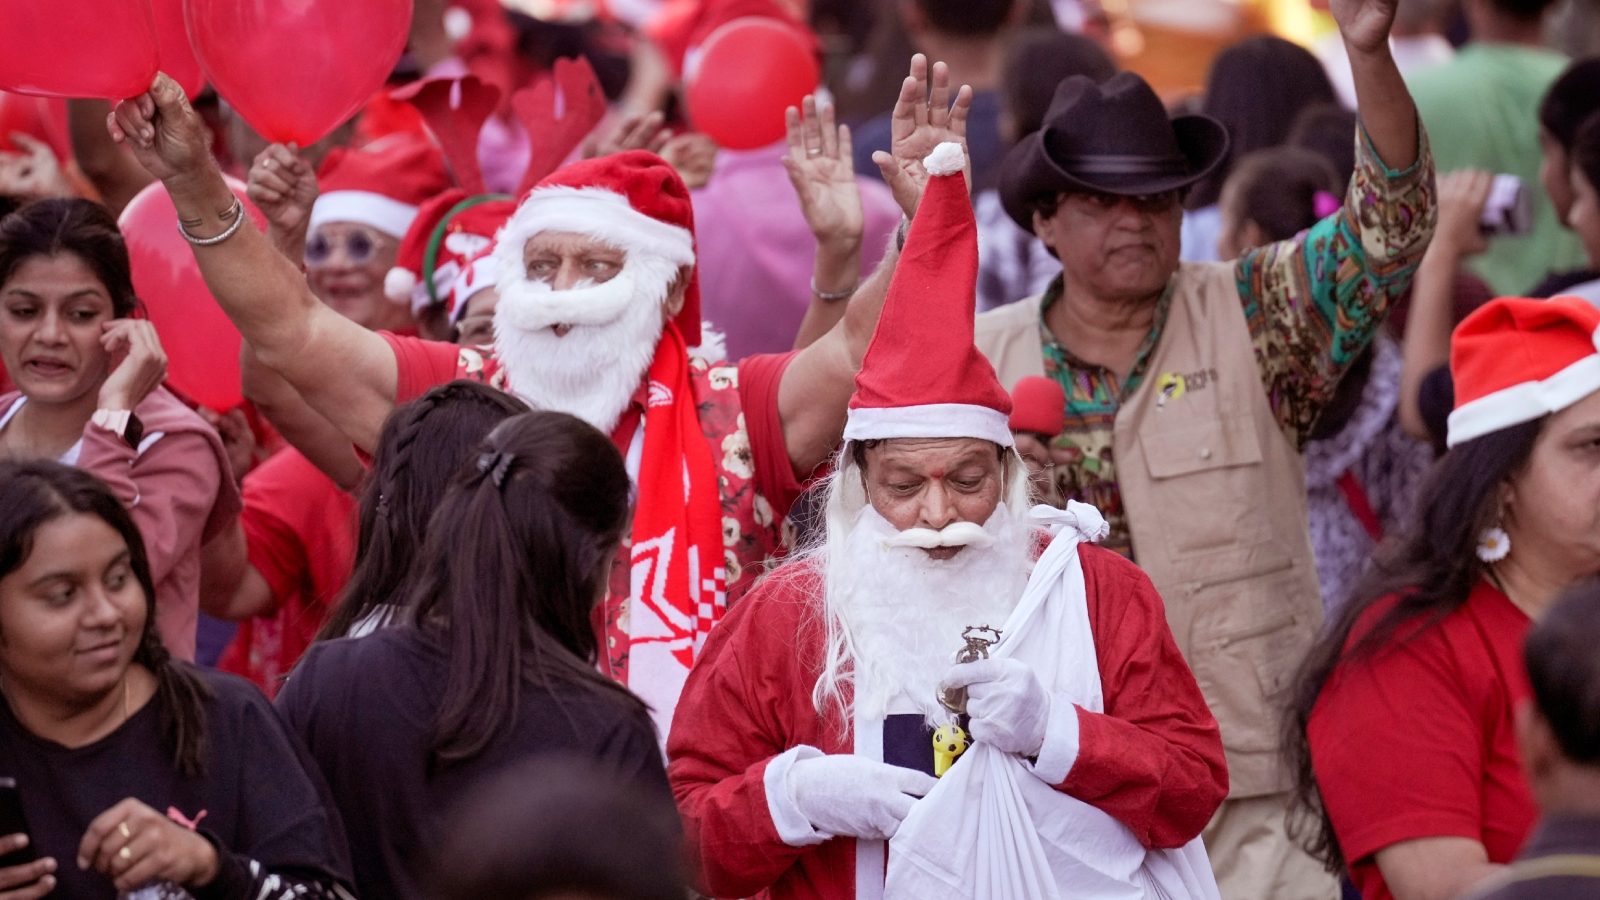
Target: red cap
{"type": "Point", "coordinates": [448, 230]}
{"type": "Point", "coordinates": [634, 201]}
{"type": "Point", "coordinates": [380, 185]}
{"type": "Point", "coordinates": [923, 376]}
{"type": "Point", "coordinates": [1514, 360]}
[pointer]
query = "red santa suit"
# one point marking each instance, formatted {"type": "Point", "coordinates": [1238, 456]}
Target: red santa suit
{"type": "Point", "coordinates": [1145, 751]}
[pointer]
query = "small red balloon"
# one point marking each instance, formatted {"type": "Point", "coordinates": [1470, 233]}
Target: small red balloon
{"type": "Point", "coordinates": [44, 118]}
{"type": "Point", "coordinates": [748, 72]}
{"type": "Point", "coordinates": [85, 48]}
{"type": "Point", "coordinates": [296, 69]}
{"type": "Point", "coordinates": [172, 46]}
{"type": "Point", "coordinates": [201, 343]}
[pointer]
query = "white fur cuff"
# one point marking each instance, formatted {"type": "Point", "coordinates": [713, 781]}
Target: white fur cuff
{"type": "Point", "coordinates": [792, 825]}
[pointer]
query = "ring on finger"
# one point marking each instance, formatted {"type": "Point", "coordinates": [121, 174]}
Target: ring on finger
{"type": "Point", "coordinates": [124, 830]}
{"type": "Point", "coordinates": [814, 151]}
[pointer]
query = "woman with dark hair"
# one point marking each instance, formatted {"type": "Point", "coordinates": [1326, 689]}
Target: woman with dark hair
{"type": "Point", "coordinates": [1584, 214]}
{"type": "Point", "coordinates": [300, 586]}
{"type": "Point", "coordinates": [101, 729]}
{"type": "Point", "coordinates": [89, 394]}
{"type": "Point", "coordinates": [1255, 88]}
{"type": "Point", "coordinates": [1402, 718]}
{"type": "Point", "coordinates": [494, 659]}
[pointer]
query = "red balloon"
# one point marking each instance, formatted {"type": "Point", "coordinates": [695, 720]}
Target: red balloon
{"type": "Point", "coordinates": [296, 69]}
{"type": "Point", "coordinates": [749, 72]}
{"type": "Point", "coordinates": [85, 48]}
{"type": "Point", "coordinates": [44, 118]}
{"type": "Point", "coordinates": [201, 343]}
{"type": "Point", "coordinates": [172, 46]}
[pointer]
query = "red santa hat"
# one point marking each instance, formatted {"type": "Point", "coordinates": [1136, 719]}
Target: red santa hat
{"type": "Point", "coordinates": [923, 377]}
{"type": "Point", "coordinates": [449, 229]}
{"type": "Point", "coordinates": [380, 186]}
{"type": "Point", "coordinates": [478, 274]}
{"type": "Point", "coordinates": [634, 201]}
{"type": "Point", "coordinates": [1038, 406]}
{"type": "Point", "coordinates": [1514, 360]}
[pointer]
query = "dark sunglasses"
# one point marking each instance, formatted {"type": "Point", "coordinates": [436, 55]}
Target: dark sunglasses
{"type": "Point", "coordinates": [360, 246]}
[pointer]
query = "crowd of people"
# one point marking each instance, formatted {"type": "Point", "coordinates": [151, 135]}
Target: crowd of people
{"type": "Point", "coordinates": [1026, 485]}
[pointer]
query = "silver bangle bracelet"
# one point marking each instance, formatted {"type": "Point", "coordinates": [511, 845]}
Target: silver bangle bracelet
{"type": "Point", "coordinates": [238, 221]}
{"type": "Point", "coordinates": [832, 296]}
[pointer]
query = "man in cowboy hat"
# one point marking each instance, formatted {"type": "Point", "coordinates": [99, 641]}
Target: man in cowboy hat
{"type": "Point", "coordinates": [1190, 388]}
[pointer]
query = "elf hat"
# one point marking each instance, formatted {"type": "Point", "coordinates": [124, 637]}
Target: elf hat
{"type": "Point", "coordinates": [633, 201]}
{"type": "Point", "coordinates": [448, 230]}
{"type": "Point", "coordinates": [1515, 360]}
{"type": "Point", "coordinates": [922, 376]}
{"type": "Point", "coordinates": [1038, 406]}
{"type": "Point", "coordinates": [479, 273]}
{"type": "Point", "coordinates": [380, 186]}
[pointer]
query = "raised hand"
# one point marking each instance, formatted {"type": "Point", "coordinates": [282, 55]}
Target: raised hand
{"type": "Point", "coordinates": [646, 132]}
{"type": "Point", "coordinates": [284, 187]}
{"type": "Point", "coordinates": [922, 120]}
{"type": "Point", "coordinates": [32, 174]}
{"type": "Point", "coordinates": [1462, 195]}
{"type": "Point", "coordinates": [819, 167]}
{"type": "Point", "coordinates": [166, 134]}
{"type": "Point", "coordinates": [1365, 24]}
{"type": "Point", "coordinates": [138, 363]}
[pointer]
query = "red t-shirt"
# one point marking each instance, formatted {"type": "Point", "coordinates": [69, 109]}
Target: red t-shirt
{"type": "Point", "coordinates": [1419, 741]}
{"type": "Point", "coordinates": [301, 531]}
{"type": "Point", "coordinates": [737, 406]}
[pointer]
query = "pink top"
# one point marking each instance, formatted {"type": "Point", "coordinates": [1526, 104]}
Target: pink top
{"type": "Point", "coordinates": [180, 491]}
{"type": "Point", "coordinates": [756, 253]}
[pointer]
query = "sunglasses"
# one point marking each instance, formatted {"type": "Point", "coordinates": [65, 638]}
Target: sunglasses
{"type": "Point", "coordinates": [360, 246]}
{"type": "Point", "coordinates": [1145, 203]}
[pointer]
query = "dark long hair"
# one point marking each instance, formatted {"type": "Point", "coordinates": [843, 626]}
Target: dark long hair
{"type": "Point", "coordinates": [33, 494]}
{"type": "Point", "coordinates": [80, 227]}
{"type": "Point", "coordinates": [1256, 88]}
{"type": "Point", "coordinates": [1432, 568]}
{"type": "Point", "coordinates": [1277, 189]}
{"type": "Point", "coordinates": [420, 448]}
{"type": "Point", "coordinates": [516, 557]}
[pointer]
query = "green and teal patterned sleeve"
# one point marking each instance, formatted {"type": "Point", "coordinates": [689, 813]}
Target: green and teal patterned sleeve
{"type": "Point", "coordinates": [1314, 302]}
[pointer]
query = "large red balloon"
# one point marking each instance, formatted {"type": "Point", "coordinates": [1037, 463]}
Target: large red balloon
{"type": "Point", "coordinates": [81, 48]}
{"type": "Point", "coordinates": [44, 118]}
{"type": "Point", "coordinates": [748, 73]}
{"type": "Point", "coordinates": [201, 343]}
{"type": "Point", "coordinates": [296, 69]}
{"type": "Point", "coordinates": [172, 46]}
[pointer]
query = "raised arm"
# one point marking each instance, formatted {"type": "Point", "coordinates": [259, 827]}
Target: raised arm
{"type": "Point", "coordinates": [1386, 109]}
{"type": "Point", "coordinates": [816, 387]}
{"type": "Point", "coordinates": [344, 372]}
{"type": "Point", "coordinates": [824, 180]}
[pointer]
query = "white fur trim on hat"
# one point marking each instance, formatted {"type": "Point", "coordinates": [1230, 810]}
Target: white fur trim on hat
{"type": "Point", "coordinates": [386, 214]}
{"type": "Point", "coordinates": [946, 159]}
{"type": "Point", "coordinates": [1524, 402]}
{"type": "Point", "coordinates": [929, 420]}
{"type": "Point", "coordinates": [600, 214]}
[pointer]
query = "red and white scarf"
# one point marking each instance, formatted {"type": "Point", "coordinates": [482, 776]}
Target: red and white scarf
{"type": "Point", "coordinates": [679, 576]}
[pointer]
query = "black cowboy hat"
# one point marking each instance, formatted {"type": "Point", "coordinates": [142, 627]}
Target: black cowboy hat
{"type": "Point", "coordinates": [1112, 137]}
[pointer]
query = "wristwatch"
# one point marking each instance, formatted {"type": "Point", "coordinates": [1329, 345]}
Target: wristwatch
{"type": "Point", "coordinates": [122, 423]}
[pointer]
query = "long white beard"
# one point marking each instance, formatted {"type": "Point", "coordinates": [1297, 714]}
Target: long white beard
{"type": "Point", "coordinates": [901, 612]}
{"type": "Point", "coordinates": [593, 370]}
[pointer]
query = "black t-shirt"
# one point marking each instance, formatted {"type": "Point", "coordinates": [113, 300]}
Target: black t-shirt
{"type": "Point", "coordinates": [255, 794]}
{"type": "Point", "coordinates": [365, 708]}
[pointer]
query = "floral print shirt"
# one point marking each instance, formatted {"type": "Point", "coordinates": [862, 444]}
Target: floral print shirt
{"type": "Point", "coordinates": [1312, 304]}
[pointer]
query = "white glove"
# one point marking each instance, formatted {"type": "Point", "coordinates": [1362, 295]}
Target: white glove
{"type": "Point", "coordinates": [852, 796]}
{"type": "Point", "coordinates": [1007, 705]}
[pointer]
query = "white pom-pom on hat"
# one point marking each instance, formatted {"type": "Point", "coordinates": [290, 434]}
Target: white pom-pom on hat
{"type": "Point", "coordinates": [398, 284]}
{"type": "Point", "coordinates": [946, 159]}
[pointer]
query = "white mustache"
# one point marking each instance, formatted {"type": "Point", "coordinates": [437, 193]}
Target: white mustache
{"type": "Point", "coordinates": [956, 534]}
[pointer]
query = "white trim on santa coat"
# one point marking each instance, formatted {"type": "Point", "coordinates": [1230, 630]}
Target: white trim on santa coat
{"type": "Point", "coordinates": [386, 214]}
{"type": "Point", "coordinates": [928, 420]}
{"type": "Point", "coordinates": [1524, 402]}
{"type": "Point", "coordinates": [872, 860]}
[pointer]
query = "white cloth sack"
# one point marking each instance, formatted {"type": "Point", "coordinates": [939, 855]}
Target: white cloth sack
{"type": "Point", "coordinates": [991, 829]}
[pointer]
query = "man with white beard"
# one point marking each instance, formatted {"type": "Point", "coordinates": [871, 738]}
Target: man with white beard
{"type": "Point", "coordinates": [598, 311]}
{"type": "Point", "coordinates": [806, 731]}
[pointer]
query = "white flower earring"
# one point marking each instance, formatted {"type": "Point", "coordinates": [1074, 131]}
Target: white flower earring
{"type": "Point", "coordinates": [1493, 544]}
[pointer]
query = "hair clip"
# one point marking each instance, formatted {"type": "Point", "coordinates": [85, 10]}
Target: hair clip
{"type": "Point", "coordinates": [495, 464]}
{"type": "Point", "coordinates": [1325, 204]}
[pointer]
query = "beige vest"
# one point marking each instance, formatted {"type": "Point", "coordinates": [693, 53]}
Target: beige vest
{"type": "Point", "coordinates": [1215, 495]}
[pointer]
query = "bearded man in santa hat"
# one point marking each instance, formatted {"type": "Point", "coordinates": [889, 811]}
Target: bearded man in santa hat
{"type": "Point", "coordinates": [598, 311]}
{"type": "Point", "coordinates": [826, 702]}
